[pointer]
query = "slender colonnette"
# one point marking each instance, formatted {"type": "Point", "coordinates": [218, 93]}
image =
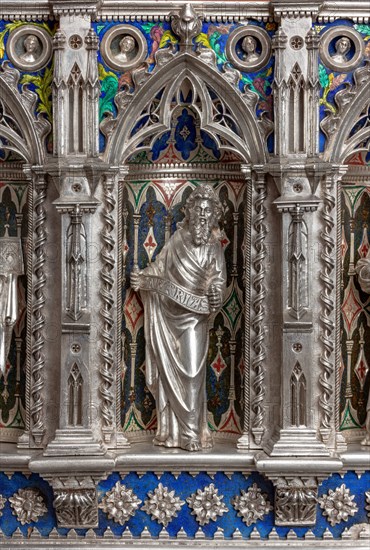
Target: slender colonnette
{"type": "Point", "coordinates": [259, 308]}
{"type": "Point", "coordinates": [106, 349]}
{"type": "Point", "coordinates": [327, 302]}
{"type": "Point", "coordinates": [38, 338]}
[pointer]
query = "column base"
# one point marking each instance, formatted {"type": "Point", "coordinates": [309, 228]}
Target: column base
{"type": "Point", "coordinates": [74, 442]}
{"type": "Point", "coordinates": [298, 442]}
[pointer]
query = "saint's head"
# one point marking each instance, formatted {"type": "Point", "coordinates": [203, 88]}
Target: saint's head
{"type": "Point", "coordinates": [202, 214]}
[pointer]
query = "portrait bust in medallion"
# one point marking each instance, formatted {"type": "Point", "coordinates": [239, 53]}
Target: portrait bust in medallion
{"type": "Point", "coordinates": [342, 47]}
{"type": "Point", "coordinates": [31, 48]}
{"type": "Point", "coordinates": [127, 49]}
{"type": "Point", "coordinates": [249, 47]}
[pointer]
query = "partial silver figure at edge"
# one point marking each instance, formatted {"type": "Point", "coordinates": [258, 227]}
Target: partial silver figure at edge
{"type": "Point", "coordinates": [11, 265]}
{"type": "Point", "coordinates": [179, 291]}
{"type": "Point", "coordinates": [363, 271]}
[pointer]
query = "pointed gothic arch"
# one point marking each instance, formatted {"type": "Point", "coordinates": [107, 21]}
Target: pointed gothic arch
{"type": "Point", "coordinates": [20, 131]}
{"type": "Point", "coordinates": [248, 142]}
{"type": "Point", "coordinates": [341, 143]}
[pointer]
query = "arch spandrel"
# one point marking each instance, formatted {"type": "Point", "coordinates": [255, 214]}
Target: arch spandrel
{"type": "Point", "coordinates": [250, 145]}
{"type": "Point", "coordinates": [28, 140]}
{"type": "Point", "coordinates": [350, 103]}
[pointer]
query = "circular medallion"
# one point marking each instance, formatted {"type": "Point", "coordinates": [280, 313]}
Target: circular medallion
{"type": "Point", "coordinates": [248, 48]}
{"type": "Point", "coordinates": [341, 49]}
{"type": "Point", "coordinates": [124, 47]}
{"type": "Point", "coordinates": [29, 48]}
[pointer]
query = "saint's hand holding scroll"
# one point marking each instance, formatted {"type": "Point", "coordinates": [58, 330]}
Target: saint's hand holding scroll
{"type": "Point", "coordinates": [179, 291]}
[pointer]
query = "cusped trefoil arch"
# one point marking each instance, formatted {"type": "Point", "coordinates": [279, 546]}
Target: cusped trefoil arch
{"type": "Point", "coordinates": [248, 141]}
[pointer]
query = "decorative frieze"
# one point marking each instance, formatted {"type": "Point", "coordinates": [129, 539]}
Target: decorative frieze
{"type": "Point", "coordinates": [120, 503]}
{"type": "Point", "coordinates": [207, 505]}
{"type": "Point", "coordinates": [338, 505]}
{"type": "Point", "coordinates": [162, 505]}
{"type": "Point", "coordinates": [252, 505]}
{"type": "Point", "coordinates": [28, 505]}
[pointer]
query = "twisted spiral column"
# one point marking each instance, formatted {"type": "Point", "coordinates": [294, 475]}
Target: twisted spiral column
{"type": "Point", "coordinates": [338, 351]}
{"type": "Point", "coordinates": [243, 441]}
{"type": "Point", "coordinates": [258, 345]}
{"type": "Point", "coordinates": [29, 306]}
{"type": "Point", "coordinates": [107, 388]}
{"type": "Point", "coordinates": [327, 306]}
{"type": "Point", "coordinates": [38, 319]}
{"type": "Point", "coordinates": [121, 440]}
{"type": "Point", "coordinates": [340, 441]}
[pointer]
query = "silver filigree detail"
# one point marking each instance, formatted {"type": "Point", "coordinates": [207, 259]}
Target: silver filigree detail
{"type": "Point", "coordinates": [206, 505]}
{"type": "Point", "coordinates": [162, 505]}
{"type": "Point", "coordinates": [28, 505]}
{"type": "Point", "coordinates": [252, 505]}
{"type": "Point", "coordinates": [120, 503]}
{"type": "Point", "coordinates": [2, 504]}
{"type": "Point", "coordinates": [338, 505]}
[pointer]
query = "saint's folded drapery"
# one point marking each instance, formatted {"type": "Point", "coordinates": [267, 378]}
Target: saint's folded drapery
{"type": "Point", "coordinates": [179, 290]}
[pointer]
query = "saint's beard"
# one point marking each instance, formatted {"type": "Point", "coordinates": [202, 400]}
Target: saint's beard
{"type": "Point", "coordinates": [200, 231]}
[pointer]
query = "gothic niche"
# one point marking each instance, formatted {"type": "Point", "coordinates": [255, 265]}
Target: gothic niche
{"type": "Point", "coordinates": [75, 385]}
{"type": "Point", "coordinates": [298, 397]}
{"type": "Point", "coordinates": [298, 269]}
{"type": "Point", "coordinates": [296, 106]}
{"type": "Point", "coordinates": [76, 262]}
{"type": "Point", "coordinates": [152, 205]}
{"type": "Point", "coordinates": [75, 112]}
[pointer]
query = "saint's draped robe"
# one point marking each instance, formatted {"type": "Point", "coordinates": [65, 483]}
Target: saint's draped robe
{"type": "Point", "coordinates": [177, 338]}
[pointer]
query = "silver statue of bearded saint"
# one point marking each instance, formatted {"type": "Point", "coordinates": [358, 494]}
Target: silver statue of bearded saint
{"type": "Point", "coordinates": [179, 291]}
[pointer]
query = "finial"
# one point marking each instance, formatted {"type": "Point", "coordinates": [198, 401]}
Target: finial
{"type": "Point", "coordinates": [186, 25]}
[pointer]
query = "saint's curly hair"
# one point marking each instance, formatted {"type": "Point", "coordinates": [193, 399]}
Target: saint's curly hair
{"type": "Point", "coordinates": [204, 192]}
